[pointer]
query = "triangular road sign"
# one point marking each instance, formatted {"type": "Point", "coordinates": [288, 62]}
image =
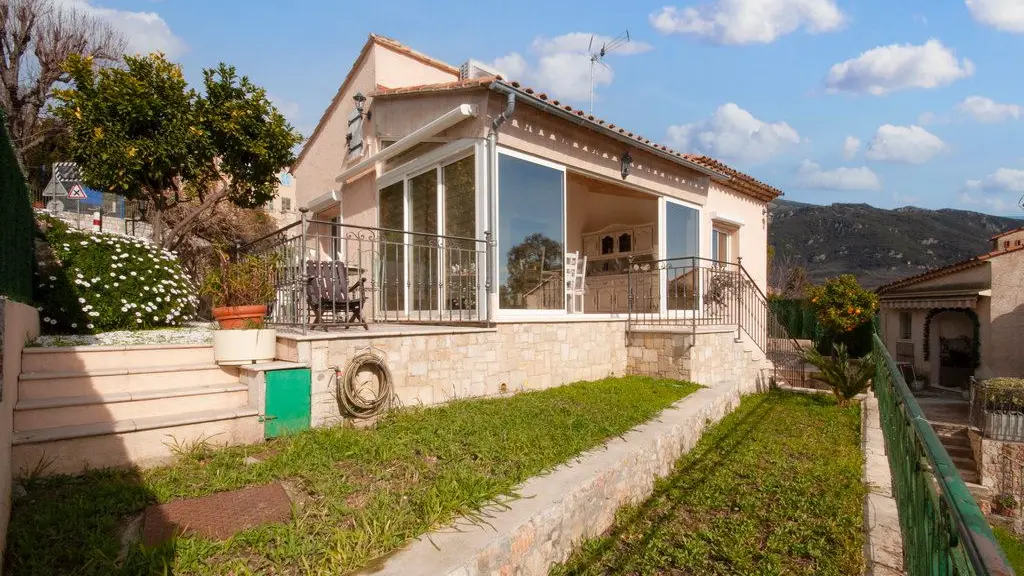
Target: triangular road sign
{"type": "Point", "coordinates": [77, 193]}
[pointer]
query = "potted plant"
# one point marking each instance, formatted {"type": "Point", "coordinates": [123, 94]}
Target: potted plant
{"type": "Point", "coordinates": [1006, 505]}
{"type": "Point", "coordinates": [240, 291]}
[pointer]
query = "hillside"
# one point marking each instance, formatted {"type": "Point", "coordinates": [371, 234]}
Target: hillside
{"type": "Point", "coordinates": [877, 245]}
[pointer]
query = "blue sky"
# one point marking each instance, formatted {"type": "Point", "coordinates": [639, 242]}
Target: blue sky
{"type": "Point", "coordinates": [930, 92]}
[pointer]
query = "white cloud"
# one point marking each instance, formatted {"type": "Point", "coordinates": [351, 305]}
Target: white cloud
{"type": "Point", "coordinates": [850, 147]}
{"type": "Point", "coordinates": [810, 175]}
{"type": "Point", "coordinates": [1002, 180]}
{"type": "Point", "coordinates": [1006, 15]}
{"type": "Point", "coordinates": [562, 67]}
{"type": "Point", "coordinates": [733, 133]}
{"type": "Point", "coordinates": [145, 31]}
{"type": "Point", "coordinates": [904, 144]}
{"type": "Point", "coordinates": [749, 21]}
{"type": "Point", "coordinates": [926, 118]}
{"type": "Point", "coordinates": [898, 67]}
{"type": "Point", "coordinates": [987, 110]}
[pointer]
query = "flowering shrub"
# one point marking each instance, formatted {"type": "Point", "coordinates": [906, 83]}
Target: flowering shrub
{"type": "Point", "coordinates": [96, 282]}
{"type": "Point", "coordinates": [841, 305]}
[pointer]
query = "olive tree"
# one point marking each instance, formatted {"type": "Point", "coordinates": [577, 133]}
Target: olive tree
{"type": "Point", "coordinates": [140, 131]}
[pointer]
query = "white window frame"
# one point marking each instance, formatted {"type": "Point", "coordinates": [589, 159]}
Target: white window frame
{"type": "Point", "coordinates": [663, 203]}
{"type": "Point", "coordinates": [435, 160]}
{"type": "Point", "coordinates": [513, 313]}
{"type": "Point", "coordinates": [910, 326]}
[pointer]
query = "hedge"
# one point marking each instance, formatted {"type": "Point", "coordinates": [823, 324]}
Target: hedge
{"type": "Point", "coordinates": [17, 228]}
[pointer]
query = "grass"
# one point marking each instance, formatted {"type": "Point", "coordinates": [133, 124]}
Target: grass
{"type": "Point", "coordinates": [774, 488]}
{"type": "Point", "coordinates": [369, 491]}
{"type": "Point", "coordinates": [1012, 546]}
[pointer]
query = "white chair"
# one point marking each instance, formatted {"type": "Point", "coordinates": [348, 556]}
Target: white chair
{"type": "Point", "coordinates": [575, 282]}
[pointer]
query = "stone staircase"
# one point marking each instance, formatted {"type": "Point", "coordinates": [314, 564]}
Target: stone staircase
{"type": "Point", "coordinates": [98, 406]}
{"type": "Point", "coordinates": [957, 442]}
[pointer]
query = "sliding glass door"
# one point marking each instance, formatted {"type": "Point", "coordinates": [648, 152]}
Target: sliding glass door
{"type": "Point", "coordinates": [682, 242]}
{"type": "Point", "coordinates": [429, 258]}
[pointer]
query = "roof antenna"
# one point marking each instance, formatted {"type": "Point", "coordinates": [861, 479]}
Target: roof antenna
{"type": "Point", "coordinates": [598, 58]}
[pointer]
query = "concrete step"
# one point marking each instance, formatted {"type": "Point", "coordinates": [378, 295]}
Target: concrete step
{"type": "Point", "coordinates": [37, 385]}
{"type": "Point", "coordinates": [33, 414]}
{"type": "Point", "coordinates": [86, 358]}
{"type": "Point", "coordinates": [970, 476]}
{"type": "Point", "coordinates": [955, 441]}
{"type": "Point", "coordinates": [142, 442]}
{"type": "Point", "coordinates": [964, 464]}
{"type": "Point", "coordinates": [959, 451]}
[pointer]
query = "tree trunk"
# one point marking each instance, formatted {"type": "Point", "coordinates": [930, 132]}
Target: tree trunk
{"type": "Point", "coordinates": [177, 233]}
{"type": "Point", "coordinates": [158, 218]}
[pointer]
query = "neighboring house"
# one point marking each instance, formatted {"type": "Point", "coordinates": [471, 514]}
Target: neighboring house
{"type": "Point", "coordinates": [283, 207]}
{"type": "Point", "coordinates": [423, 149]}
{"type": "Point", "coordinates": [961, 320]}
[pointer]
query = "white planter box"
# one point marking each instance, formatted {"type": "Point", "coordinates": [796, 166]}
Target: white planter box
{"type": "Point", "coordinates": [236, 347]}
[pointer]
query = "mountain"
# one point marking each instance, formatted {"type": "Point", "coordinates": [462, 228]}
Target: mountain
{"type": "Point", "coordinates": [877, 245]}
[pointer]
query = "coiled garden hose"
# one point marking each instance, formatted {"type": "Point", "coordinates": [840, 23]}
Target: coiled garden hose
{"type": "Point", "coordinates": [350, 401]}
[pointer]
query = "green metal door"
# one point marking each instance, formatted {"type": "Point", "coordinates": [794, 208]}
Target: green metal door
{"type": "Point", "coordinates": [287, 402]}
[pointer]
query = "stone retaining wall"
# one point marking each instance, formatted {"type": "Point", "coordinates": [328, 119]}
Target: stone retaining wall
{"type": "Point", "coordinates": [574, 502]}
{"type": "Point", "coordinates": [709, 357]}
{"type": "Point", "coordinates": [438, 365]}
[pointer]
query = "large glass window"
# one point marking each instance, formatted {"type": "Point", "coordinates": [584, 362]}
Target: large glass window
{"type": "Point", "coordinates": [425, 255]}
{"type": "Point", "coordinates": [682, 240]}
{"type": "Point", "coordinates": [392, 250]}
{"type": "Point", "coordinates": [460, 220]}
{"type": "Point", "coordinates": [531, 234]}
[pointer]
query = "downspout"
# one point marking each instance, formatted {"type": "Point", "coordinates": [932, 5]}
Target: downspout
{"type": "Point", "coordinates": [492, 204]}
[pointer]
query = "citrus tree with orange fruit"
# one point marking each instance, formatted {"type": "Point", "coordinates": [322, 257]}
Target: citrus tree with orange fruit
{"type": "Point", "coordinates": [842, 305]}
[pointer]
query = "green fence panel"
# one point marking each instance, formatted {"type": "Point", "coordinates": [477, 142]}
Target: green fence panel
{"type": "Point", "coordinates": [944, 531]}
{"type": "Point", "coordinates": [17, 226]}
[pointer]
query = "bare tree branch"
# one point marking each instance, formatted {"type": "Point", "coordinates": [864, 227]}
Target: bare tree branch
{"type": "Point", "coordinates": [36, 38]}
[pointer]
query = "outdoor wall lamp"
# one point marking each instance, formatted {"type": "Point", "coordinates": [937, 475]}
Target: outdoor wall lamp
{"type": "Point", "coordinates": [627, 163]}
{"type": "Point", "coordinates": [359, 99]}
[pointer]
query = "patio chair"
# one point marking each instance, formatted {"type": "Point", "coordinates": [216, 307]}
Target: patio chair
{"type": "Point", "coordinates": [327, 289]}
{"type": "Point", "coordinates": [575, 281]}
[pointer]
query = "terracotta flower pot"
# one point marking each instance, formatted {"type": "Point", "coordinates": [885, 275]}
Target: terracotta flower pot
{"type": "Point", "coordinates": [240, 317]}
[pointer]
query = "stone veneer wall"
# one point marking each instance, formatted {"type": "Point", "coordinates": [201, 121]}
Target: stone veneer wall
{"type": "Point", "coordinates": [709, 357]}
{"type": "Point", "coordinates": [435, 366]}
{"type": "Point", "coordinates": [1001, 467]}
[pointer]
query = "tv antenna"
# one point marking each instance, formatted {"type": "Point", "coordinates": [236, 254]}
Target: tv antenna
{"type": "Point", "coordinates": [598, 57]}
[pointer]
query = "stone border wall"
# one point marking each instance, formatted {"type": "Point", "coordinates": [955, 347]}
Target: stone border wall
{"type": "Point", "coordinates": [883, 538]}
{"type": "Point", "coordinates": [574, 502]}
{"type": "Point", "coordinates": [709, 357]}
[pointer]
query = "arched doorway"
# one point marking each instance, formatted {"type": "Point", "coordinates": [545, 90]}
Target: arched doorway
{"type": "Point", "coordinates": [952, 346]}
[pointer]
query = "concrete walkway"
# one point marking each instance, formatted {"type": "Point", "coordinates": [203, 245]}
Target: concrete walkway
{"type": "Point", "coordinates": [883, 546]}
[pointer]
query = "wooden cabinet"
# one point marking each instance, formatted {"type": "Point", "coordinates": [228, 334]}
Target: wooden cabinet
{"type": "Point", "coordinates": [608, 253]}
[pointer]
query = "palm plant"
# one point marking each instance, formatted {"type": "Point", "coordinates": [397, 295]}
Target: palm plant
{"type": "Point", "coordinates": [844, 376]}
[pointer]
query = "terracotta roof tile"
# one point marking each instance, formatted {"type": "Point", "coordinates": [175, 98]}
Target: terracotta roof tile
{"type": "Point", "coordinates": [746, 183]}
{"type": "Point", "coordinates": [947, 270]}
{"type": "Point", "coordinates": [742, 182]}
{"type": "Point", "coordinates": [1008, 232]}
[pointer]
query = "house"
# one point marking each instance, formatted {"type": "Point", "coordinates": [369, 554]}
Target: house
{"type": "Point", "coordinates": [452, 198]}
{"type": "Point", "coordinates": [961, 320]}
{"type": "Point", "coordinates": [282, 207]}
{"type": "Point", "coordinates": [428, 150]}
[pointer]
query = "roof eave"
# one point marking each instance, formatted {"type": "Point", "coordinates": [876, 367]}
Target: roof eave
{"type": "Point", "coordinates": [504, 88]}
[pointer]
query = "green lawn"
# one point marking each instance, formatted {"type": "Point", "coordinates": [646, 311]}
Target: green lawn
{"type": "Point", "coordinates": [774, 488]}
{"type": "Point", "coordinates": [370, 491]}
{"type": "Point", "coordinates": [1012, 547]}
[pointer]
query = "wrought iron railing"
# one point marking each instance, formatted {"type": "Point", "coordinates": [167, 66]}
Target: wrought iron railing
{"type": "Point", "coordinates": [694, 292]}
{"type": "Point", "coordinates": [944, 530]}
{"type": "Point", "coordinates": [997, 408]}
{"type": "Point", "coordinates": [390, 275]}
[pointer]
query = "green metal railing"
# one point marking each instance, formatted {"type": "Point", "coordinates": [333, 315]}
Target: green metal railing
{"type": "Point", "coordinates": [944, 531]}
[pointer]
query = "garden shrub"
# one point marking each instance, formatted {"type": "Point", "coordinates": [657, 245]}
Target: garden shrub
{"type": "Point", "coordinates": [96, 282]}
